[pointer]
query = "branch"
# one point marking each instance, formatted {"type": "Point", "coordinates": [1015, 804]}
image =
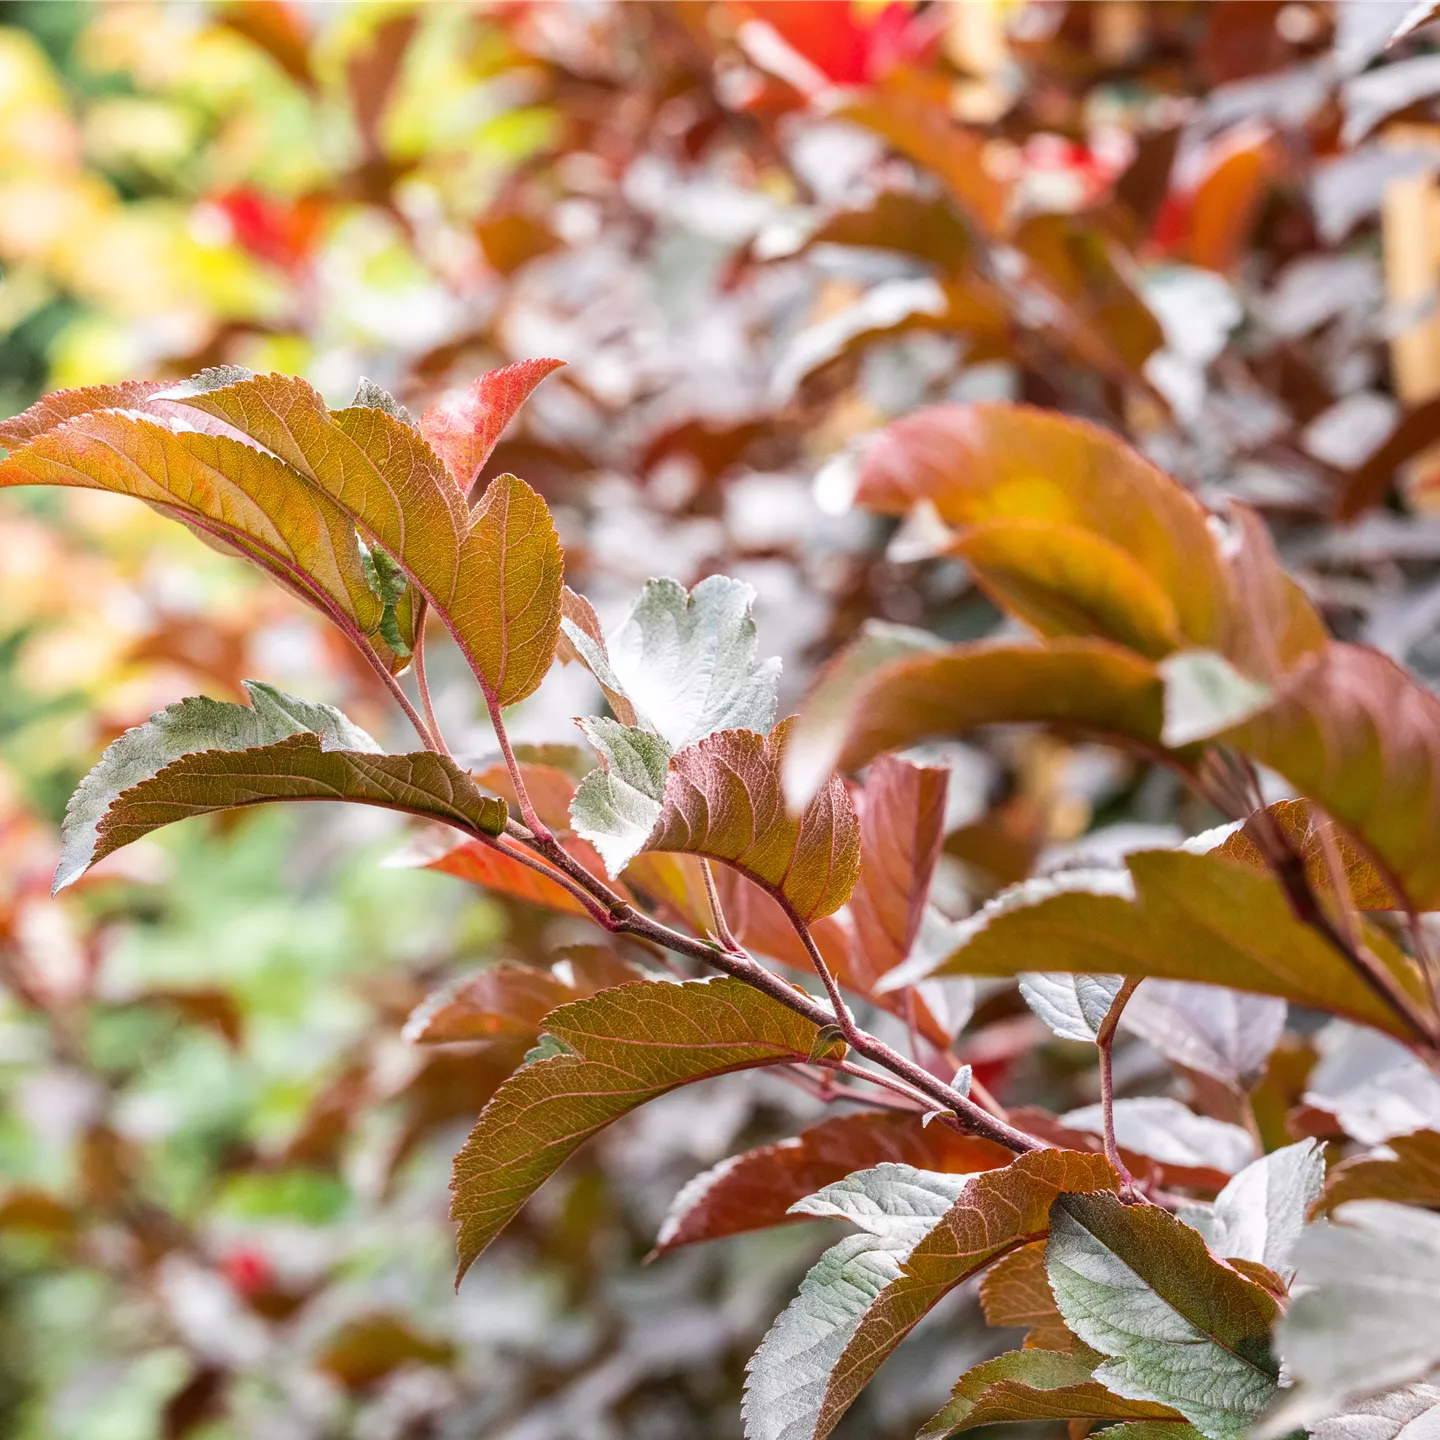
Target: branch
{"type": "Point", "coordinates": [539, 831]}
{"type": "Point", "coordinates": [722, 927]}
{"type": "Point", "coordinates": [1105, 1042]}
{"type": "Point", "coordinates": [422, 684]}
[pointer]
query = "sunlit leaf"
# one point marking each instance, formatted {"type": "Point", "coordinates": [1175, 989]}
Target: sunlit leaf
{"type": "Point", "coordinates": [1034, 1385]}
{"type": "Point", "coordinates": [1224, 1033]}
{"type": "Point", "coordinates": [54, 409]}
{"type": "Point", "coordinates": [494, 576]}
{"type": "Point", "coordinates": [1073, 1006]}
{"type": "Point", "coordinates": [1165, 1130]}
{"type": "Point", "coordinates": [464, 433]}
{"type": "Point", "coordinates": [1412, 1412]}
{"type": "Point", "coordinates": [617, 805]}
{"type": "Point", "coordinates": [723, 800]}
{"type": "Point", "coordinates": [756, 1190]}
{"type": "Point", "coordinates": [629, 1045]}
{"type": "Point", "coordinates": [1259, 1215]}
{"type": "Point", "coordinates": [867, 1293]}
{"type": "Point", "coordinates": [203, 755]}
{"type": "Point", "coordinates": [1180, 1328]}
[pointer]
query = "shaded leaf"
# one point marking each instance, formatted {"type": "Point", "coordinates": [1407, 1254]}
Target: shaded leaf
{"type": "Point", "coordinates": [856, 712]}
{"type": "Point", "coordinates": [1259, 1215]}
{"type": "Point", "coordinates": [1409, 1174]}
{"type": "Point", "coordinates": [1015, 1292]}
{"type": "Point", "coordinates": [723, 800]}
{"type": "Point", "coordinates": [629, 1045]}
{"type": "Point", "coordinates": [902, 818]}
{"type": "Point", "coordinates": [1035, 1385]}
{"type": "Point", "coordinates": [1413, 1413]}
{"type": "Point", "coordinates": [1165, 1130]}
{"type": "Point", "coordinates": [867, 1293]}
{"type": "Point", "coordinates": [370, 1347]}
{"type": "Point", "coordinates": [686, 661]}
{"type": "Point", "coordinates": [1180, 1328]}
{"type": "Point", "coordinates": [1356, 733]}
{"type": "Point", "coordinates": [1223, 1033]}
{"type": "Point", "coordinates": [464, 433]}
{"type": "Point", "coordinates": [756, 1190]}
{"type": "Point", "coordinates": [1073, 1006]}
{"type": "Point", "coordinates": [494, 576]}
{"type": "Point", "coordinates": [1175, 915]}
{"type": "Point", "coordinates": [1366, 1313]}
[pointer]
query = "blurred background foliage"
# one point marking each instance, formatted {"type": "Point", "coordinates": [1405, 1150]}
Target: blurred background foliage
{"type": "Point", "coordinates": [755, 232]}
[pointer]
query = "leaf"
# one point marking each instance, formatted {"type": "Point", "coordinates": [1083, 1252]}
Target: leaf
{"type": "Point", "coordinates": [578, 619]}
{"type": "Point", "coordinates": [192, 725]}
{"type": "Point", "coordinates": [53, 410]}
{"type": "Point", "coordinates": [1409, 1174]}
{"type": "Point", "coordinates": [902, 819]}
{"type": "Point", "coordinates": [1064, 580]}
{"type": "Point", "coordinates": [203, 755]}
{"type": "Point", "coordinates": [867, 1293]}
{"type": "Point", "coordinates": [227, 488]}
{"type": "Point", "coordinates": [1223, 1033]}
{"type": "Point", "coordinates": [1357, 734]}
{"type": "Point", "coordinates": [723, 801]}
{"type": "Point", "coordinates": [686, 661]}
{"type": "Point", "coordinates": [756, 1190]}
{"type": "Point", "coordinates": [510, 999]}
{"type": "Point", "coordinates": [1015, 1292]}
{"type": "Point", "coordinates": [1374, 1086]}
{"type": "Point", "coordinates": [1086, 686]}
{"type": "Point", "coordinates": [630, 1045]}
{"type": "Point", "coordinates": [998, 465]}
{"type": "Point", "coordinates": [617, 805]}
{"type": "Point", "coordinates": [1035, 1385]}
{"type": "Point", "coordinates": [494, 577]}
{"type": "Point", "coordinates": [1259, 1215]}
{"type": "Point", "coordinates": [1165, 1130]}
{"type": "Point", "coordinates": [1204, 693]}
{"type": "Point", "coordinates": [463, 434]}
{"type": "Point", "coordinates": [1366, 1312]}
{"type": "Point", "coordinates": [1412, 1413]}
{"type": "Point", "coordinates": [1174, 915]}
{"type": "Point", "coordinates": [1180, 1328]}
{"type": "Point", "coordinates": [1073, 1006]}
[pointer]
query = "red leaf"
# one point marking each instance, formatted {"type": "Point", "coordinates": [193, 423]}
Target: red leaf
{"type": "Point", "coordinates": [753, 1191]}
{"type": "Point", "coordinates": [464, 433]}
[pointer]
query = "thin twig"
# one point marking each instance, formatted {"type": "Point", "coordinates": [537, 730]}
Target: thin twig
{"type": "Point", "coordinates": [1105, 1042]}
{"type": "Point", "coordinates": [422, 684]}
{"type": "Point", "coordinates": [722, 926]}
{"type": "Point", "coordinates": [543, 839]}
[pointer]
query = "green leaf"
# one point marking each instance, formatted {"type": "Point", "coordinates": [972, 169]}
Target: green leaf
{"type": "Point", "coordinates": [1366, 1313]}
{"type": "Point", "coordinates": [723, 801]}
{"type": "Point", "coordinates": [867, 1293]}
{"type": "Point", "coordinates": [686, 661]}
{"type": "Point", "coordinates": [630, 1045]}
{"type": "Point", "coordinates": [1073, 1006]}
{"type": "Point", "coordinates": [1180, 1328]}
{"type": "Point", "coordinates": [228, 489]}
{"type": "Point", "coordinates": [493, 576]}
{"type": "Point", "coordinates": [858, 711]}
{"type": "Point", "coordinates": [1036, 1385]}
{"type": "Point", "coordinates": [368, 393]}
{"type": "Point", "coordinates": [1204, 693]}
{"type": "Point", "coordinates": [1177, 915]}
{"type": "Point", "coordinates": [617, 805]}
{"type": "Point", "coordinates": [1259, 1215]}
{"type": "Point", "coordinates": [203, 755]}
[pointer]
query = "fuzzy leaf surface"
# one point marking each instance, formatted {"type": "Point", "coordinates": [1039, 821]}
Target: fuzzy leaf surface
{"type": "Point", "coordinates": [617, 804]}
{"type": "Point", "coordinates": [1259, 1215]}
{"type": "Point", "coordinates": [1412, 1413]}
{"type": "Point", "coordinates": [1180, 1328]}
{"type": "Point", "coordinates": [1073, 1006]}
{"type": "Point", "coordinates": [867, 1293]}
{"type": "Point", "coordinates": [494, 576]}
{"type": "Point", "coordinates": [464, 432]}
{"type": "Point", "coordinates": [723, 800]}
{"type": "Point", "coordinates": [1224, 1033]}
{"type": "Point", "coordinates": [1165, 1130]}
{"type": "Point", "coordinates": [1035, 1385]}
{"type": "Point", "coordinates": [756, 1190]}
{"type": "Point", "coordinates": [626, 1047]}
